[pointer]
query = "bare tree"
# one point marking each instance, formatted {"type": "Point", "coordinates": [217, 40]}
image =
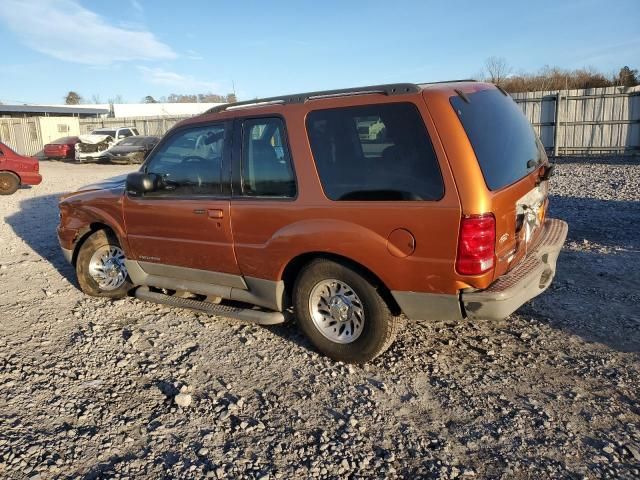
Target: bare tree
{"type": "Point", "coordinates": [497, 69]}
{"type": "Point", "coordinates": [95, 98]}
{"type": "Point", "coordinates": [72, 98]}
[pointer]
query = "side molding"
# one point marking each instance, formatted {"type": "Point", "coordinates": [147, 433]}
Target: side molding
{"type": "Point", "coordinates": [257, 291]}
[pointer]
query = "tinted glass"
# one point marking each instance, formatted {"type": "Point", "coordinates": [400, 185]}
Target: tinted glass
{"type": "Point", "coordinates": [131, 141]}
{"type": "Point", "coordinates": [64, 140]}
{"type": "Point", "coordinates": [502, 137]}
{"type": "Point", "coordinates": [266, 165]}
{"type": "Point", "coordinates": [374, 152]}
{"type": "Point", "coordinates": [124, 133]}
{"type": "Point", "coordinates": [190, 162]}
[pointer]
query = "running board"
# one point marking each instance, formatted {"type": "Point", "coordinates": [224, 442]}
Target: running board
{"type": "Point", "coordinates": [245, 314]}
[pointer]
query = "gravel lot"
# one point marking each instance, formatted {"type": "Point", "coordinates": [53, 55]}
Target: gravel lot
{"type": "Point", "coordinates": [91, 388]}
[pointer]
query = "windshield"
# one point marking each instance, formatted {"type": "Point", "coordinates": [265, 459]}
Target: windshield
{"type": "Point", "coordinates": [502, 138]}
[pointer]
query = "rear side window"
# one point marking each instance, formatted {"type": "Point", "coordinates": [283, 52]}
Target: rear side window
{"type": "Point", "coordinates": [374, 152]}
{"type": "Point", "coordinates": [266, 164]}
{"type": "Point", "coordinates": [501, 136]}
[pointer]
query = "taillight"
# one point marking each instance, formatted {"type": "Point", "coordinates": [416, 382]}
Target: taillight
{"type": "Point", "coordinates": [476, 245]}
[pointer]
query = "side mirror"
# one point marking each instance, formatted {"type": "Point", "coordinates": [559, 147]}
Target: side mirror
{"type": "Point", "coordinates": [139, 183]}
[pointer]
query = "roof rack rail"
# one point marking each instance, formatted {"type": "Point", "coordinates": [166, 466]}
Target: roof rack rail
{"type": "Point", "coordinates": [447, 81]}
{"type": "Point", "coordinates": [389, 89]}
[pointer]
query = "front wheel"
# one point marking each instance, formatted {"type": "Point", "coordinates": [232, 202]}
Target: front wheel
{"type": "Point", "coordinates": [342, 313]}
{"type": "Point", "coordinates": [100, 266]}
{"type": "Point", "coordinates": [9, 183]}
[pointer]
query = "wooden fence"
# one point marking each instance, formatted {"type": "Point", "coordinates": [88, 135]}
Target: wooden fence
{"type": "Point", "coordinates": [592, 121]}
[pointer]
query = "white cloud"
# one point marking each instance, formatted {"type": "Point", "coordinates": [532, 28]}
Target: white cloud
{"type": "Point", "coordinates": [181, 83]}
{"type": "Point", "coordinates": [66, 30]}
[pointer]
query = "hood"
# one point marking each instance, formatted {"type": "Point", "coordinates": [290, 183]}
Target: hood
{"type": "Point", "coordinates": [95, 138]}
{"type": "Point", "coordinates": [107, 184]}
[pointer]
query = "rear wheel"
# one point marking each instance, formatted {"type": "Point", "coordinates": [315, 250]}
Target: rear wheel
{"type": "Point", "coordinates": [342, 313]}
{"type": "Point", "coordinates": [9, 183]}
{"type": "Point", "coordinates": [100, 266]}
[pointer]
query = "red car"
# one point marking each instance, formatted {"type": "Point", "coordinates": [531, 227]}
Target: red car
{"type": "Point", "coordinates": [64, 147]}
{"type": "Point", "coordinates": [16, 170]}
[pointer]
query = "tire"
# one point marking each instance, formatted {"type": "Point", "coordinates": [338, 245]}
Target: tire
{"type": "Point", "coordinates": [9, 183]}
{"type": "Point", "coordinates": [324, 279]}
{"type": "Point", "coordinates": [91, 265]}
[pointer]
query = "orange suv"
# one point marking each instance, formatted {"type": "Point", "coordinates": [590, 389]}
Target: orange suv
{"type": "Point", "coordinates": [348, 207]}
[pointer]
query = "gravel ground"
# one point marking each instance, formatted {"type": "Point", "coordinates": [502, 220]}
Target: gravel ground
{"type": "Point", "coordinates": [94, 388]}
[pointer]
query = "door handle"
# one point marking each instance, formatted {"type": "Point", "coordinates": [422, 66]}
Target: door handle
{"type": "Point", "coordinates": [215, 213]}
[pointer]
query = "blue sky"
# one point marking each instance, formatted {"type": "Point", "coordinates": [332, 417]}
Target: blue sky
{"type": "Point", "coordinates": [135, 48]}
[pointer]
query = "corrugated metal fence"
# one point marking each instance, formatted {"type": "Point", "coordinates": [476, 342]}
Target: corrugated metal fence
{"type": "Point", "coordinates": [591, 121]}
{"type": "Point", "coordinates": [570, 122]}
{"type": "Point", "coordinates": [145, 125]}
{"type": "Point", "coordinates": [21, 134]}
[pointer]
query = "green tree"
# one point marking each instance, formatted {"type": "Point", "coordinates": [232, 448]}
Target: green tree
{"type": "Point", "coordinates": [72, 98]}
{"type": "Point", "coordinates": [149, 99]}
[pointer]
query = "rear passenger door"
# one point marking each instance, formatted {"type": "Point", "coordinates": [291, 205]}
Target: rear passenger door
{"type": "Point", "coordinates": [263, 188]}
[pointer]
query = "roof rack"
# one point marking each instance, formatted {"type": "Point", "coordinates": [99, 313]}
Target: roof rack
{"type": "Point", "coordinates": [390, 89]}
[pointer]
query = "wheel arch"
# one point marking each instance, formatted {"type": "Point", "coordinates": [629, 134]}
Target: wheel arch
{"type": "Point", "coordinates": [15, 174]}
{"type": "Point", "coordinates": [295, 265]}
{"type": "Point", "coordinates": [85, 233]}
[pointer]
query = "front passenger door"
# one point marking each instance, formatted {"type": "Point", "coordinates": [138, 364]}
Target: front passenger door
{"type": "Point", "coordinates": [183, 229]}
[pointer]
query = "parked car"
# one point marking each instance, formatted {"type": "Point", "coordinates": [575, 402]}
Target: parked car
{"type": "Point", "coordinates": [16, 170]}
{"type": "Point", "coordinates": [131, 150]}
{"type": "Point", "coordinates": [92, 147]}
{"type": "Point", "coordinates": [62, 148]}
{"type": "Point", "coordinates": [285, 204]}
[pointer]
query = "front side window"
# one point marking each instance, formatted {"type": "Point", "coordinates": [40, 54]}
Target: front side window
{"type": "Point", "coordinates": [190, 162]}
{"type": "Point", "coordinates": [266, 169]}
{"type": "Point", "coordinates": [374, 152]}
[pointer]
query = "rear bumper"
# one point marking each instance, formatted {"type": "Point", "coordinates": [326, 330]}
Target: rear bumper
{"type": "Point", "coordinates": [27, 178]}
{"type": "Point", "coordinates": [504, 296]}
{"type": "Point", "coordinates": [530, 278]}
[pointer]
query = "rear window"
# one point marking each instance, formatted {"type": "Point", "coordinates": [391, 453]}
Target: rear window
{"type": "Point", "coordinates": [374, 152]}
{"type": "Point", "coordinates": [64, 140]}
{"type": "Point", "coordinates": [501, 136]}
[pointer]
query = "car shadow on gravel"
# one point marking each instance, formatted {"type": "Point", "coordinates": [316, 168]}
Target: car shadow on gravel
{"type": "Point", "coordinates": [594, 294]}
{"type": "Point", "coordinates": [35, 223]}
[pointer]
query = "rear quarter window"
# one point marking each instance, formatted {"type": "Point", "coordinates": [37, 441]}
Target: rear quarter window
{"type": "Point", "coordinates": [501, 136]}
{"type": "Point", "coordinates": [374, 152]}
